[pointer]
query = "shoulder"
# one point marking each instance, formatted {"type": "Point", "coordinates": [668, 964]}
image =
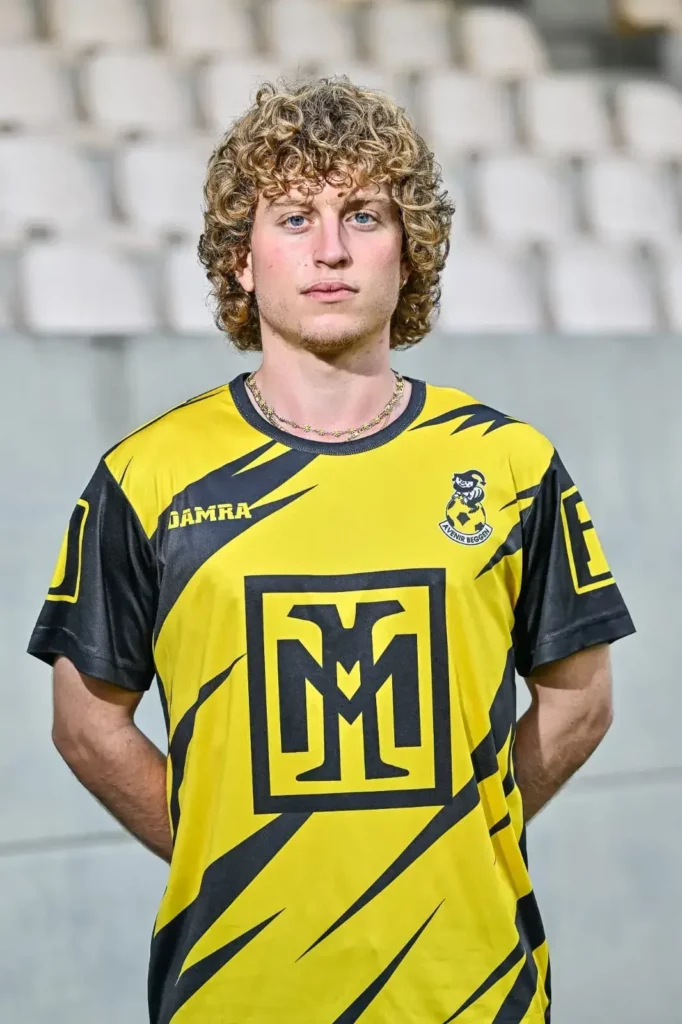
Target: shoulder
{"type": "Point", "coordinates": [454, 411]}
{"type": "Point", "coordinates": [161, 435]}
{"type": "Point", "coordinates": [157, 460]}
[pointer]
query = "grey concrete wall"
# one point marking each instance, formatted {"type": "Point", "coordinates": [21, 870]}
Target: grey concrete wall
{"type": "Point", "coordinates": [77, 897]}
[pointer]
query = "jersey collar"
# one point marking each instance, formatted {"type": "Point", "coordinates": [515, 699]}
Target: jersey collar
{"type": "Point", "coordinates": [360, 444]}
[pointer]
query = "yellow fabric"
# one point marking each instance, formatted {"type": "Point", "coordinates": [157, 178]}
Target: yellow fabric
{"type": "Point", "coordinates": [373, 512]}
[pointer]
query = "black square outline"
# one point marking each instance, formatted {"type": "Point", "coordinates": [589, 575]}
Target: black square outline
{"type": "Point", "coordinates": [254, 589]}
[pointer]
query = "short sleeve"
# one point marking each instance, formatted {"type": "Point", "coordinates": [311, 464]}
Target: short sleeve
{"type": "Point", "coordinates": [569, 599]}
{"type": "Point", "coordinates": [99, 611]}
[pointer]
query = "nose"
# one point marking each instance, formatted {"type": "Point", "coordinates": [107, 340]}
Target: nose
{"type": "Point", "coordinates": [331, 248]}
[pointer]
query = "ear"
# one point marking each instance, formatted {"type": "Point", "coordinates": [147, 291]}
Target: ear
{"type": "Point", "coordinates": [245, 275]}
{"type": "Point", "coordinates": [404, 273]}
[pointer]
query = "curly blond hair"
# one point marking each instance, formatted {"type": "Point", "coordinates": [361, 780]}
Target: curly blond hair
{"type": "Point", "coordinates": [303, 135]}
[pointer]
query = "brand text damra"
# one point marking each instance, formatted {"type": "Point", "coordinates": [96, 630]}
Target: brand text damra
{"type": "Point", "coordinates": [212, 514]}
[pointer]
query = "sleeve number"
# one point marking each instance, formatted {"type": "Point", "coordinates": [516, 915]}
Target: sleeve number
{"type": "Point", "coordinates": [589, 567]}
{"type": "Point", "coordinates": [66, 580]}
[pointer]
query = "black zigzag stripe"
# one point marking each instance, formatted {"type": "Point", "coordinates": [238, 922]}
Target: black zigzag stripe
{"type": "Point", "coordinates": [527, 492]}
{"type": "Point", "coordinates": [475, 414]}
{"type": "Point", "coordinates": [500, 971]}
{"type": "Point", "coordinates": [499, 825]}
{"type": "Point", "coordinates": [531, 935]}
{"type": "Point", "coordinates": [523, 845]}
{"type": "Point", "coordinates": [509, 546]}
{"type": "Point", "coordinates": [233, 483]}
{"type": "Point", "coordinates": [520, 996]}
{"type": "Point", "coordinates": [548, 993]}
{"type": "Point", "coordinates": [163, 701]}
{"type": "Point", "coordinates": [462, 804]}
{"type": "Point", "coordinates": [222, 882]}
{"type": "Point", "coordinates": [196, 976]}
{"type": "Point", "coordinates": [182, 735]}
{"type": "Point", "coordinates": [502, 718]}
{"type": "Point", "coordinates": [358, 1007]}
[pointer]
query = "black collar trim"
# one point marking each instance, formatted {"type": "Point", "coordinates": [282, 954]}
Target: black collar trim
{"type": "Point", "coordinates": [302, 444]}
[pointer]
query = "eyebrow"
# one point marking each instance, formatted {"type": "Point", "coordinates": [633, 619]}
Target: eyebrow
{"type": "Point", "coordinates": [352, 200]}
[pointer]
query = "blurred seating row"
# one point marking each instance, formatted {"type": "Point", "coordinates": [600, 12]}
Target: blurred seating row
{"type": "Point", "coordinates": [143, 192]}
{"type": "Point", "coordinates": [577, 287]}
{"type": "Point", "coordinates": [142, 92]}
{"type": "Point", "coordinates": [401, 34]}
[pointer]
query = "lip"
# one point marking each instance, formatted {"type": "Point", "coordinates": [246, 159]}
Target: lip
{"type": "Point", "coordinates": [330, 290]}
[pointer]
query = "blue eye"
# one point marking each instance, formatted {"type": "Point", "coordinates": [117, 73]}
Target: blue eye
{"type": "Point", "coordinates": [369, 219]}
{"type": "Point", "coordinates": [295, 220]}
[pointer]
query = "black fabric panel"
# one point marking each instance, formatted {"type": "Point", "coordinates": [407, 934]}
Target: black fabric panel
{"type": "Point", "coordinates": [105, 627]}
{"type": "Point", "coordinates": [553, 619]}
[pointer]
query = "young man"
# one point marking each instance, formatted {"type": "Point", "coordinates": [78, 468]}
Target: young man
{"type": "Point", "coordinates": [334, 572]}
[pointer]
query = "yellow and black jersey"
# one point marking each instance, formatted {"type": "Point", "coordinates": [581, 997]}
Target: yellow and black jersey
{"type": "Point", "coordinates": [335, 630]}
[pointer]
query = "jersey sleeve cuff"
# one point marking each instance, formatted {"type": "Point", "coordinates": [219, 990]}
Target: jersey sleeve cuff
{"type": "Point", "coordinates": [570, 641]}
{"type": "Point", "coordinates": [48, 642]}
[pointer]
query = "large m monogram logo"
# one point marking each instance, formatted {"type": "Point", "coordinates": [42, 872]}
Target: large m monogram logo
{"type": "Point", "coordinates": [348, 690]}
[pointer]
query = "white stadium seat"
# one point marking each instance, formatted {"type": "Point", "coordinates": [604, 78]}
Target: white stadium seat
{"type": "Point", "coordinates": [187, 290]}
{"type": "Point", "coordinates": [308, 31]}
{"type": "Point", "coordinates": [629, 200]}
{"type": "Point", "coordinates": [136, 91]}
{"type": "Point", "coordinates": [16, 21]}
{"type": "Point", "coordinates": [227, 87]}
{"type": "Point", "coordinates": [650, 14]}
{"type": "Point", "coordinates": [197, 28]}
{"type": "Point", "coordinates": [159, 186]}
{"type": "Point", "coordinates": [71, 288]}
{"type": "Point", "coordinates": [565, 115]}
{"type": "Point", "coordinates": [596, 289]}
{"type": "Point", "coordinates": [465, 114]}
{"type": "Point", "coordinates": [523, 199]}
{"type": "Point", "coordinates": [84, 24]}
{"type": "Point", "coordinates": [34, 92]}
{"type": "Point", "coordinates": [501, 44]}
{"type": "Point", "coordinates": [45, 183]}
{"type": "Point", "coordinates": [650, 119]}
{"type": "Point", "coordinates": [411, 35]}
{"type": "Point", "coordinates": [670, 269]}
{"type": "Point", "coordinates": [487, 291]}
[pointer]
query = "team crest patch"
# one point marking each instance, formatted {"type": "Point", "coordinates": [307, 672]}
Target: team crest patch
{"type": "Point", "coordinates": [465, 519]}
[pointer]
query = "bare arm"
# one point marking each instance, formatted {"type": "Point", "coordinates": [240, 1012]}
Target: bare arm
{"type": "Point", "coordinates": [94, 731]}
{"type": "Point", "coordinates": [570, 714]}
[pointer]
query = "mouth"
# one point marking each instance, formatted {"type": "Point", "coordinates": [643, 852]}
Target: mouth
{"type": "Point", "coordinates": [333, 295]}
{"type": "Point", "coordinates": [330, 291]}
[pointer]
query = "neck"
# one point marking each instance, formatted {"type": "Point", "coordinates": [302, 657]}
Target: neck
{"type": "Point", "coordinates": [329, 392]}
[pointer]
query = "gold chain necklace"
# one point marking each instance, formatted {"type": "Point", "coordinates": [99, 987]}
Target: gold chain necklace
{"type": "Point", "coordinates": [270, 414]}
